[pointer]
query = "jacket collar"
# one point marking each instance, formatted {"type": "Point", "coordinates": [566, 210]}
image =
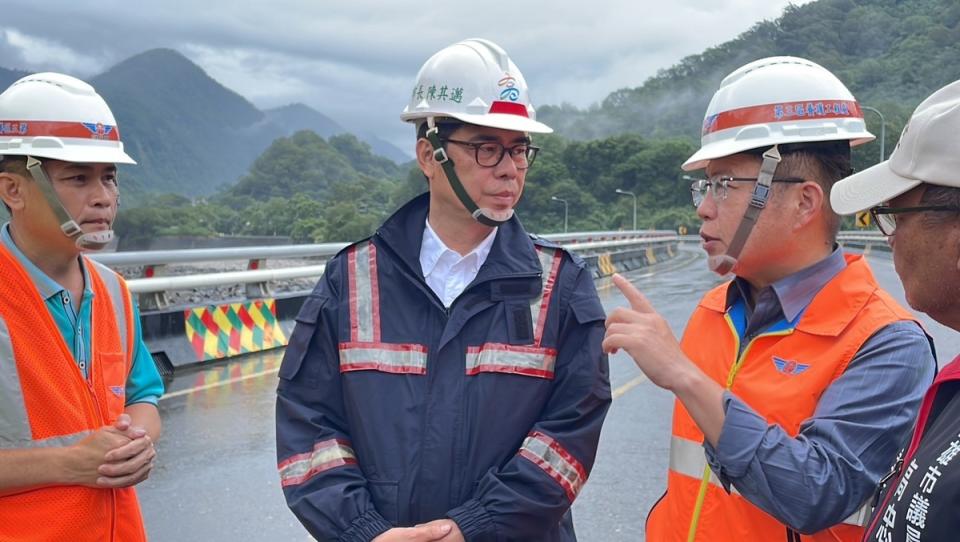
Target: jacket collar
{"type": "Point", "coordinates": [832, 308]}
{"type": "Point", "coordinates": [512, 253]}
{"type": "Point", "coordinates": [795, 292]}
{"type": "Point", "coordinates": [950, 371]}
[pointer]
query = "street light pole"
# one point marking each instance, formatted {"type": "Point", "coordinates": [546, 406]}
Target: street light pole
{"type": "Point", "coordinates": [628, 193]}
{"type": "Point", "coordinates": [883, 130]}
{"type": "Point", "coordinates": [565, 208]}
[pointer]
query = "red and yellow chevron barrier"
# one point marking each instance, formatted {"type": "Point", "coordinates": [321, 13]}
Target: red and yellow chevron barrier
{"type": "Point", "coordinates": [220, 331]}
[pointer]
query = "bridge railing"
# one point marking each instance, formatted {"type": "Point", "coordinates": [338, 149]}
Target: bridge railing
{"type": "Point", "coordinates": [155, 278]}
{"type": "Point", "coordinates": [212, 320]}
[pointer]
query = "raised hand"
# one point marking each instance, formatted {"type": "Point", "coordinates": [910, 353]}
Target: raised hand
{"type": "Point", "coordinates": [646, 336]}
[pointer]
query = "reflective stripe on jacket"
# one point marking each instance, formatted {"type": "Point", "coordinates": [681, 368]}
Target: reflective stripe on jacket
{"type": "Point", "coordinates": [839, 320]}
{"type": "Point", "coordinates": [45, 402]}
{"type": "Point", "coordinates": [394, 410]}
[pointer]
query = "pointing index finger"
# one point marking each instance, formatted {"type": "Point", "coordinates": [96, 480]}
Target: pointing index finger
{"type": "Point", "coordinates": [637, 300]}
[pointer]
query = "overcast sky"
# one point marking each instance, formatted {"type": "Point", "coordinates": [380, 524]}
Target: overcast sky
{"type": "Point", "coordinates": [355, 61]}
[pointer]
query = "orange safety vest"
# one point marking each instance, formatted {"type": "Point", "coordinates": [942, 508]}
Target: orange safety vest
{"type": "Point", "coordinates": [841, 317]}
{"type": "Point", "coordinates": [46, 402]}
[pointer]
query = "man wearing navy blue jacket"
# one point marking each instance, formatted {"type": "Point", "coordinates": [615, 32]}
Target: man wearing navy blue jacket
{"type": "Point", "coordinates": [445, 380]}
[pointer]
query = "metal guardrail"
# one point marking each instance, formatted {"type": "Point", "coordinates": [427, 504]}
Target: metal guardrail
{"type": "Point", "coordinates": [154, 258]}
{"type": "Point", "coordinates": [152, 287]}
{"type": "Point", "coordinates": [162, 284]}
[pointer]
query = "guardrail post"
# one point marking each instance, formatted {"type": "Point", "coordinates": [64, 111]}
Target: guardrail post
{"type": "Point", "coordinates": [153, 300]}
{"type": "Point", "coordinates": [258, 290]}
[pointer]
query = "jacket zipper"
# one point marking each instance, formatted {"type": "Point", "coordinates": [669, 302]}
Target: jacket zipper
{"type": "Point", "coordinates": [112, 506]}
{"type": "Point", "coordinates": [447, 311]}
{"type": "Point", "coordinates": [742, 348]}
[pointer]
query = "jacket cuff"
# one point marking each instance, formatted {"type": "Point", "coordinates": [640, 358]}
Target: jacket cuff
{"type": "Point", "coordinates": [472, 519]}
{"type": "Point", "coordinates": [365, 528]}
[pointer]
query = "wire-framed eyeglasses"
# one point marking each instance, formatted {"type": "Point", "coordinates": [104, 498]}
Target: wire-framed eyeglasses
{"type": "Point", "coordinates": [699, 188]}
{"type": "Point", "coordinates": [490, 153]}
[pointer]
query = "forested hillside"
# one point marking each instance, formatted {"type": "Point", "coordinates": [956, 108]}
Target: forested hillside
{"type": "Point", "coordinates": [890, 53]}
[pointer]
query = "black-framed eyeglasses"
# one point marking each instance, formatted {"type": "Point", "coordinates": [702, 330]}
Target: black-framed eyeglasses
{"type": "Point", "coordinates": [886, 217]}
{"type": "Point", "coordinates": [699, 188]}
{"type": "Point", "coordinates": [490, 153]}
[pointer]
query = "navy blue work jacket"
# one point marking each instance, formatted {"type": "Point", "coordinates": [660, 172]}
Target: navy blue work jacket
{"type": "Point", "coordinates": [393, 410]}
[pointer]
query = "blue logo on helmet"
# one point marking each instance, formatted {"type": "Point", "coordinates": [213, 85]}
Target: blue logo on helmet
{"type": "Point", "coordinates": [98, 130]}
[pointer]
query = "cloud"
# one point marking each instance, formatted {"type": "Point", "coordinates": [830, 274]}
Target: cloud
{"type": "Point", "coordinates": [353, 61]}
{"type": "Point", "coordinates": [38, 53]}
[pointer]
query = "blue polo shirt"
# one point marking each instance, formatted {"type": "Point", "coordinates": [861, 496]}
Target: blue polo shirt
{"type": "Point", "coordinates": [144, 384]}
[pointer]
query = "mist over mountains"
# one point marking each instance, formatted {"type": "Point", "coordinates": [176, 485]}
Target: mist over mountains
{"type": "Point", "coordinates": [194, 137]}
{"type": "Point", "coordinates": [189, 134]}
{"type": "Point", "coordinates": [890, 53]}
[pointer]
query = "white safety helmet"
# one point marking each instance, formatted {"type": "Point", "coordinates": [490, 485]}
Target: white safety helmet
{"type": "Point", "coordinates": [778, 100]}
{"type": "Point", "coordinates": [51, 115]}
{"type": "Point", "coordinates": [473, 81]}
{"type": "Point", "coordinates": [58, 117]}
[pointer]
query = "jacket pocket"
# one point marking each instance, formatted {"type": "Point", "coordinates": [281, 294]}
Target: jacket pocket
{"type": "Point", "coordinates": [113, 372]}
{"type": "Point", "coordinates": [386, 496]}
{"type": "Point", "coordinates": [299, 343]}
{"type": "Point", "coordinates": [587, 309]}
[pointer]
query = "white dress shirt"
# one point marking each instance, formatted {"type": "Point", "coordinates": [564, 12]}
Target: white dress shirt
{"type": "Point", "coordinates": [447, 272]}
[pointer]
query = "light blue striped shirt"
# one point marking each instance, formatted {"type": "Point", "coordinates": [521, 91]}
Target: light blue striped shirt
{"type": "Point", "coordinates": [827, 472]}
{"type": "Point", "coordinates": [144, 384]}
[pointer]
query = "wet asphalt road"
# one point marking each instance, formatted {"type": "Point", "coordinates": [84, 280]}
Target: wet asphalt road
{"type": "Point", "coordinates": [216, 477]}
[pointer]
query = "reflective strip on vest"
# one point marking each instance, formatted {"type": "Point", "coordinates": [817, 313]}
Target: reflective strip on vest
{"type": "Point", "coordinates": [326, 455]}
{"type": "Point", "coordinates": [387, 358]}
{"type": "Point", "coordinates": [365, 351]}
{"type": "Point", "coordinates": [687, 458]}
{"type": "Point", "coordinates": [14, 423]}
{"type": "Point", "coordinates": [115, 288]}
{"type": "Point", "coordinates": [506, 358]}
{"type": "Point", "coordinates": [524, 360]}
{"type": "Point", "coordinates": [15, 429]}
{"type": "Point", "coordinates": [549, 455]}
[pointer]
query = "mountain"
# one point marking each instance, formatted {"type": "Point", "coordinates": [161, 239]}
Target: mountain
{"type": "Point", "coordinates": [890, 53]}
{"type": "Point", "coordinates": [297, 117]}
{"type": "Point", "coordinates": [189, 134]}
{"type": "Point", "coordinates": [387, 149]}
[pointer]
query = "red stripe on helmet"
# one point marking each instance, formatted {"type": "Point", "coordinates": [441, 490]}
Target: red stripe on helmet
{"type": "Point", "coordinates": [782, 112]}
{"type": "Point", "coordinates": [80, 130]}
{"type": "Point", "coordinates": [509, 108]}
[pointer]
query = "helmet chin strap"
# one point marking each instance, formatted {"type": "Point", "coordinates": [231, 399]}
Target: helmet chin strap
{"type": "Point", "coordinates": [724, 263]}
{"type": "Point", "coordinates": [487, 217]}
{"type": "Point", "coordinates": [97, 240]}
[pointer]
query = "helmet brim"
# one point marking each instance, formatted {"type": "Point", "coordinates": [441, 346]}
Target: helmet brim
{"type": "Point", "coordinates": [730, 147]}
{"type": "Point", "coordinates": [88, 153]}
{"type": "Point", "coordinates": [502, 121]}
